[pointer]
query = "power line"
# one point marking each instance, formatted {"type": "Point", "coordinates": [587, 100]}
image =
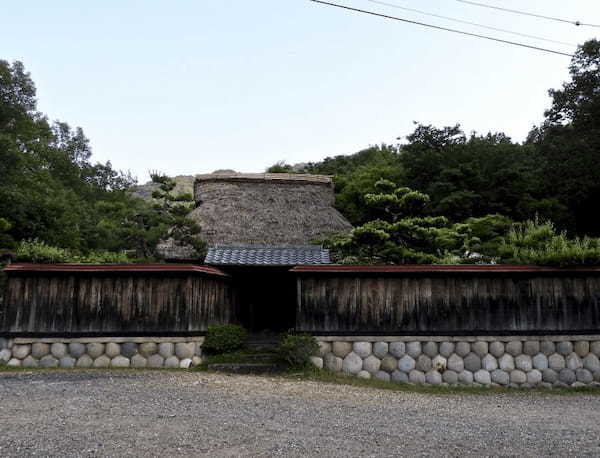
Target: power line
{"type": "Point", "coordinates": [393, 5]}
{"type": "Point", "coordinates": [514, 43]}
{"type": "Point", "coordinates": [526, 13]}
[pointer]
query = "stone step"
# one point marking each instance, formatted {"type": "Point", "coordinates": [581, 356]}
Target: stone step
{"type": "Point", "coordinates": [256, 356]}
{"type": "Point", "coordinates": [246, 368]}
{"type": "Point", "coordinates": [263, 344]}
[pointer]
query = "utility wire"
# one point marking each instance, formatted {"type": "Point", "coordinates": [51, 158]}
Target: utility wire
{"type": "Point", "coordinates": [393, 5]}
{"type": "Point", "coordinates": [526, 13]}
{"type": "Point", "coordinates": [514, 43]}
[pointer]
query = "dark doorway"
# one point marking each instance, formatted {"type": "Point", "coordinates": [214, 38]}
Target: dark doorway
{"type": "Point", "coordinates": [266, 298]}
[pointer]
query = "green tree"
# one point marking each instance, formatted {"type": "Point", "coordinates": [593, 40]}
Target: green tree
{"type": "Point", "coordinates": [281, 167]}
{"type": "Point", "coordinates": [6, 241]}
{"type": "Point", "coordinates": [471, 176]}
{"type": "Point", "coordinates": [405, 233]}
{"type": "Point", "coordinates": [568, 143]}
{"type": "Point", "coordinates": [173, 210]}
{"type": "Point", "coordinates": [537, 242]}
{"type": "Point", "coordinates": [49, 189]}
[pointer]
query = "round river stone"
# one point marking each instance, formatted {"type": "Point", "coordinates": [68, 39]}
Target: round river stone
{"type": "Point", "coordinates": [446, 349]}
{"type": "Point", "coordinates": [58, 350]}
{"type": "Point", "coordinates": [95, 350]}
{"type": "Point", "coordinates": [362, 349]}
{"type": "Point", "coordinates": [497, 349]}
{"type": "Point", "coordinates": [564, 348]}
{"type": "Point", "coordinates": [352, 364]}
{"type": "Point", "coordinates": [371, 364]}
{"type": "Point", "coordinates": [472, 362]}
{"type": "Point", "coordinates": [76, 349]}
{"type": "Point", "coordinates": [389, 363]}
{"type": "Point", "coordinates": [112, 350]}
{"type": "Point", "coordinates": [406, 364]}
{"type": "Point", "coordinates": [380, 349]}
{"type": "Point", "coordinates": [413, 349]}
{"type": "Point", "coordinates": [430, 349]}
{"type": "Point", "coordinates": [480, 348]}
{"type": "Point", "coordinates": [398, 349]}
{"type": "Point", "coordinates": [40, 349]}
{"type": "Point", "coordinates": [455, 363]}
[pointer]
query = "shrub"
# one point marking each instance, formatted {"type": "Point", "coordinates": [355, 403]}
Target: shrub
{"type": "Point", "coordinates": [535, 242]}
{"type": "Point", "coordinates": [40, 252]}
{"type": "Point", "coordinates": [103, 257]}
{"type": "Point", "coordinates": [225, 338]}
{"type": "Point", "coordinates": [296, 350]}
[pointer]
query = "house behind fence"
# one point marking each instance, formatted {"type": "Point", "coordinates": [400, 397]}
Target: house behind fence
{"type": "Point", "coordinates": [503, 325]}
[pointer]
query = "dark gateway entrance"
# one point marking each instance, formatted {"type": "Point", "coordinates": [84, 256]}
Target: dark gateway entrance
{"type": "Point", "coordinates": [265, 288]}
{"type": "Point", "coordinates": [265, 297]}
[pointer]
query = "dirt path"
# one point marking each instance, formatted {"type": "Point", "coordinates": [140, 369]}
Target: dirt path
{"type": "Point", "coordinates": [198, 414]}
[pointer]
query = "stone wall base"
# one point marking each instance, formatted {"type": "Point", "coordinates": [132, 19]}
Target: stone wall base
{"type": "Point", "coordinates": [515, 361]}
{"type": "Point", "coordinates": [139, 352]}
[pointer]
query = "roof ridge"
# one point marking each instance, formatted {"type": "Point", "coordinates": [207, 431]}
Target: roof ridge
{"type": "Point", "coordinates": [275, 177]}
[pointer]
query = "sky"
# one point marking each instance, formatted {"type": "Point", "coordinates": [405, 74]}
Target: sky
{"type": "Point", "coordinates": [186, 87]}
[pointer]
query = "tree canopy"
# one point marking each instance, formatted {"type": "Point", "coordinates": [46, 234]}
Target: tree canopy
{"type": "Point", "coordinates": [553, 175]}
{"type": "Point", "coordinates": [439, 194]}
{"type": "Point", "coordinates": [53, 195]}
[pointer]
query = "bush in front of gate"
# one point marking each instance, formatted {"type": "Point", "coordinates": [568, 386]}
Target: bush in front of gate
{"type": "Point", "coordinates": [297, 349]}
{"type": "Point", "coordinates": [225, 338]}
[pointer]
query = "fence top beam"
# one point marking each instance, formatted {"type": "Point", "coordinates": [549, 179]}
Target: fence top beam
{"type": "Point", "coordinates": [115, 268]}
{"type": "Point", "coordinates": [445, 269]}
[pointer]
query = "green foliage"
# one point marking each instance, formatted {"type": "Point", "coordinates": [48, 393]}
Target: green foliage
{"type": "Point", "coordinates": [539, 243]}
{"type": "Point", "coordinates": [225, 338]}
{"type": "Point", "coordinates": [281, 167]}
{"type": "Point", "coordinates": [49, 188]}
{"type": "Point", "coordinates": [397, 236]}
{"type": "Point", "coordinates": [6, 241]}
{"type": "Point", "coordinates": [471, 176]}
{"type": "Point", "coordinates": [435, 240]}
{"type": "Point", "coordinates": [354, 175]}
{"type": "Point", "coordinates": [296, 349]}
{"type": "Point", "coordinates": [173, 210]}
{"type": "Point", "coordinates": [37, 251]}
{"type": "Point", "coordinates": [567, 145]}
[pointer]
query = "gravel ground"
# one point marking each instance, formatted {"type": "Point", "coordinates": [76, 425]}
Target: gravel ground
{"type": "Point", "coordinates": [93, 413]}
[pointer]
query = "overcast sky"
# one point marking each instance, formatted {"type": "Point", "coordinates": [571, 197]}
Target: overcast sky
{"type": "Point", "coordinates": [188, 87]}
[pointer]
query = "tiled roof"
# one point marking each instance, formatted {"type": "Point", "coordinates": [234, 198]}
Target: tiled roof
{"type": "Point", "coordinates": [262, 255]}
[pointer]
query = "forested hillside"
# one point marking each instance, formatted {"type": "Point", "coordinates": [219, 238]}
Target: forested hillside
{"type": "Point", "coordinates": [442, 196]}
{"type": "Point", "coordinates": [554, 174]}
{"type": "Point", "coordinates": [55, 203]}
{"type": "Point", "coordinates": [438, 195]}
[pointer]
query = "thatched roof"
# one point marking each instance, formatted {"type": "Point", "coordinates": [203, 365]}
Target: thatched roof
{"type": "Point", "coordinates": [266, 209]}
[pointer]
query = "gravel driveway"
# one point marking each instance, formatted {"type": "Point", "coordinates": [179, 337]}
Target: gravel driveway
{"type": "Point", "coordinates": [199, 414]}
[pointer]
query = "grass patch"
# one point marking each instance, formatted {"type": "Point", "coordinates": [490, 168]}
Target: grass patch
{"type": "Point", "coordinates": [323, 376]}
{"type": "Point", "coordinates": [312, 374]}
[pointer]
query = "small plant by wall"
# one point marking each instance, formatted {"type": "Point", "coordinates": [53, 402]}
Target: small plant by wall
{"type": "Point", "coordinates": [225, 338]}
{"type": "Point", "coordinates": [296, 350]}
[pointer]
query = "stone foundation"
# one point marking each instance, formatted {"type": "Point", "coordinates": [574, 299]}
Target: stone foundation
{"type": "Point", "coordinates": [139, 352]}
{"type": "Point", "coordinates": [501, 361]}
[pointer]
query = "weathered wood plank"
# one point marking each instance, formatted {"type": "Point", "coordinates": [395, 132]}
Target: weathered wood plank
{"type": "Point", "coordinates": [43, 302]}
{"type": "Point", "coordinates": [405, 303]}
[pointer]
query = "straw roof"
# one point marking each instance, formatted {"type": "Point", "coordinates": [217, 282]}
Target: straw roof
{"type": "Point", "coordinates": [266, 209]}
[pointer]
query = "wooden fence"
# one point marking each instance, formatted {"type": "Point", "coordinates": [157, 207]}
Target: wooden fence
{"type": "Point", "coordinates": [114, 300]}
{"type": "Point", "coordinates": [447, 300]}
